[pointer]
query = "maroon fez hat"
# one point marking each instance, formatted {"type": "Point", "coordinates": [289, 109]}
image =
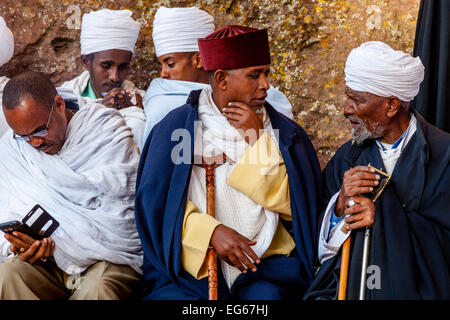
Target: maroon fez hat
{"type": "Point", "coordinates": [234, 47]}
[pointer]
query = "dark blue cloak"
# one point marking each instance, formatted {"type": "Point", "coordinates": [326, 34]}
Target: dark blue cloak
{"type": "Point", "coordinates": [161, 195]}
{"type": "Point", "coordinates": [411, 233]}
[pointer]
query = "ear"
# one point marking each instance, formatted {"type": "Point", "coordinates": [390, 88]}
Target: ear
{"type": "Point", "coordinates": [85, 61]}
{"type": "Point", "coordinates": [132, 64]}
{"type": "Point", "coordinates": [221, 78]}
{"type": "Point", "coordinates": [60, 104]}
{"type": "Point", "coordinates": [393, 106]}
{"type": "Point", "coordinates": [197, 60]}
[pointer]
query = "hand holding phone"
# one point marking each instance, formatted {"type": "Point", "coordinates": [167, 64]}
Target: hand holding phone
{"type": "Point", "coordinates": [15, 225]}
{"type": "Point", "coordinates": [31, 237]}
{"type": "Point", "coordinates": [38, 224]}
{"type": "Point", "coordinates": [30, 250]}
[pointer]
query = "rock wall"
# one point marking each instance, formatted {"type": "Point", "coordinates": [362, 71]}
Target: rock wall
{"type": "Point", "coordinates": [310, 40]}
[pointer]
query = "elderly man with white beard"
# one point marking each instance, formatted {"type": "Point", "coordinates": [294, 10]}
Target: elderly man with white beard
{"type": "Point", "coordinates": [410, 220]}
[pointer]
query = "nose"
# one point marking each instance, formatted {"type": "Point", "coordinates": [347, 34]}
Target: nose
{"type": "Point", "coordinates": [349, 106]}
{"type": "Point", "coordinates": [36, 141]}
{"type": "Point", "coordinates": [113, 74]}
{"type": "Point", "coordinates": [264, 83]}
{"type": "Point", "coordinates": [164, 73]}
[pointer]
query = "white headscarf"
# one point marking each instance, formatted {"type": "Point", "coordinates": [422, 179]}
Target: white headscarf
{"type": "Point", "coordinates": [6, 43]}
{"type": "Point", "coordinates": [178, 29]}
{"type": "Point", "coordinates": [376, 68]}
{"type": "Point", "coordinates": [108, 29]}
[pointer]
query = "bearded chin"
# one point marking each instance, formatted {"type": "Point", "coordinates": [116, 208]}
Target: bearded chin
{"type": "Point", "coordinates": [359, 136]}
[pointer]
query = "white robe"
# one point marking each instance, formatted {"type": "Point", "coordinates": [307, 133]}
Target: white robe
{"type": "Point", "coordinates": [89, 187]}
{"type": "Point", "coordinates": [134, 116]}
{"type": "Point", "coordinates": [3, 124]}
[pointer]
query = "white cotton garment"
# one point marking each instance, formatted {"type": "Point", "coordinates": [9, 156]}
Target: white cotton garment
{"type": "Point", "coordinates": [134, 116]}
{"type": "Point", "coordinates": [3, 124]}
{"type": "Point", "coordinates": [108, 29]}
{"type": "Point", "coordinates": [178, 29]}
{"type": "Point", "coordinates": [376, 68]}
{"type": "Point", "coordinates": [88, 187]}
{"type": "Point", "coordinates": [232, 208]}
{"type": "Point", "coordinates": [6, 43]}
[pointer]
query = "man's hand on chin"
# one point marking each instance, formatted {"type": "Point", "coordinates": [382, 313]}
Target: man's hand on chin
{"type": "Point", "coordinates": [245, 120]}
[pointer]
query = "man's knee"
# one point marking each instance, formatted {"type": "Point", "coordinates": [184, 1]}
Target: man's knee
{"type": "Point", "coordinates": [107, 281]}
{"type": "Point", "coordinates": [14, 278]}
{"type": "Point", "coordinates": [13, 269]}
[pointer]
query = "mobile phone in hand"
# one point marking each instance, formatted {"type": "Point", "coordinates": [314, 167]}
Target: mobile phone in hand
{"type": "Point", "coordinates": [11, 226]}
{"type": "Point", "coordinates": [38, 224]}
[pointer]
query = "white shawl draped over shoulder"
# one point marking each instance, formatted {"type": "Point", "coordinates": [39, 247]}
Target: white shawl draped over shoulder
{"type": "Point", "coordinates": [89, 187]}
{"type": "Point", "coordinates": [3, 124]}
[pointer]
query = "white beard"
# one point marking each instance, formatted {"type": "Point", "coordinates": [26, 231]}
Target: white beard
{"type": "Point", "coordinates": [364, 133]}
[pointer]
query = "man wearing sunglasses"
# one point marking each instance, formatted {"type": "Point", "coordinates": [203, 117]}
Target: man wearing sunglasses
{"type": "Point", "coordinates": [78, 160]}
{"type": "Point", "coordinates": [39, 137]}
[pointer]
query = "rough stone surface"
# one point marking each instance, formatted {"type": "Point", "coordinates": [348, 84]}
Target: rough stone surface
{"type": "Point", "coordinates": [310, 40]}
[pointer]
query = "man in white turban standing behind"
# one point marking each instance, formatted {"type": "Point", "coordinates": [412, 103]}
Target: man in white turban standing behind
{"type": "Point", "coordinates": [6, 53]}
{"type": "Point", "coordinates": [175, 36]}
{"type": "Point", "coordinates": [409, 252]}
{"type": "Point", "coordinates": [108, 38]}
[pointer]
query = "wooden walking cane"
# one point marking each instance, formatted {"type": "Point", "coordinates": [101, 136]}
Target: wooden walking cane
{"type": "Point", "coordinates": [344, 269]}
{"type": "Point", "coordinates": [345, 255]}
{"type": "Point", "coordinates": [210, 163]}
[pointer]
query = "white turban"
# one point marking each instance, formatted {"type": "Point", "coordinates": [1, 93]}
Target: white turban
{"type": "Point", "coordinates": [6, 43]}
{"type": "Point", "coordinates": [178, 29]}
{"type": "Point", "coordinates": [108, 29]}
{"type": "Point", "coordinates": [376, 68]}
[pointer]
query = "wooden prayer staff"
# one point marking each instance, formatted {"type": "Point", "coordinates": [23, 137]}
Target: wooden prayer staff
{"type": "Point", "coordinates": [344, 269]}
{"type": "Point", "coordinates": [366, 248]}
{"type": "Point", "coordinates": [210, 163]}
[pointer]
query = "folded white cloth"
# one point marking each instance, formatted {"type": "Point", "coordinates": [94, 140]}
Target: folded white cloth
{"type": "Point", "coordinates": [108, 29]}
{"type": "Point", "coordinates": [3, 124]}
{"type": "Point", "coordinates": [376, 68]}
{"type": "Point", "coordinates": [134, 116]}
{"type": "Point", "coordinates": [89, 187]}
{"type": "Point", "coordinates": [178, 29]}
{"type": "Point", "coordinates": [6, 42]}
